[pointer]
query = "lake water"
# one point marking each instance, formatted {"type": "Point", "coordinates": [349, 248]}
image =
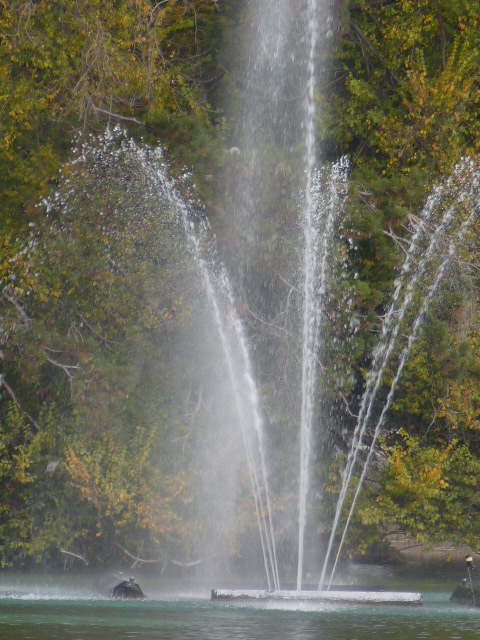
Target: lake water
{"type": "Point", "coordinates": [42, 613]}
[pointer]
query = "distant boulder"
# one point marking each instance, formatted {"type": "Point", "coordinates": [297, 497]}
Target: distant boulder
{"type": "Point", "coordinates": [467, 595]}
{"type": "Point", "coordinates": [128, 590]}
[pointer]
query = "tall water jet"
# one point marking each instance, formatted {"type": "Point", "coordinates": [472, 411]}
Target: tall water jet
{"type": "Point", "coordinates": [310, 304]}
{"type": "Point", "coordinates": [275, 138]}
{"type": "Point", "coordinates": [324, 206]}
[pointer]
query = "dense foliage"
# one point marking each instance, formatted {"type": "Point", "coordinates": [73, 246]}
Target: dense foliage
{"type": "Point", "coordinates": [92, 309]}
{"type": "Point", "coordinates": [404, 105]}
{"type": "Point", "coordinates": [88, 310]}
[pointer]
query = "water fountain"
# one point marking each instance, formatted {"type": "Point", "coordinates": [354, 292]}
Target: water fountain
{"type": "Point", "coordinates": [437, 234]}
{"type": "Point", "coordinates": [278, 129]}
{"type": "Point", "coordinates": [270, 126]}
{"type": "Point", "coordinates": [141, 174]}
{"type": "Point", "coordinates": [455, 196]}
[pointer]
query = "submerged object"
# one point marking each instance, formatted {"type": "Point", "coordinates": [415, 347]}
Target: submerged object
{"type": "Point", "coordinates": [465, 594]}
{"type": "Point", "coordinates": [338, 596]}
{"type": "Point", "coordinates": [128, 590]}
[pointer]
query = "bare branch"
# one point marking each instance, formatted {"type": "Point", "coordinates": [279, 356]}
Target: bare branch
{"type": "Point", "coordinates": [64, 367]}
{"type": "Point", "coordinates": [363, 38]}
{"type": "Point", "coordinates": [411, 546]}
{"type": "Point", "coordinates": [401, 243]}
{"type": "Point", "coordinates": [177, 563]}
{"type": "Point", "coordinates": [18, 307]}
{"type": "Point", "coordinates": [11, 393]}
{"type": "Point", "coordinates": [137, 559]}
{"type": "Point", "coordinates": [193, 563]}
{"type": "Point", "coordinates": [347, 406]}
{"type": "Point", "coordinates": [415, 221]}
{"type": "Point", "coordinates": [75, 555]}
{"type": "Point", "coordinates": [99, 336]}
{"type": "Point", "coordinates": [117, 116]}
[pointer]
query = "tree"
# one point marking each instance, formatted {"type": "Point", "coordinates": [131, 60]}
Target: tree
{"type": "Point", "coordinates": [68, 67]}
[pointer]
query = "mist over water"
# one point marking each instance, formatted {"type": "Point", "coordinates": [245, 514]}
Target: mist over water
{"type": "Point", "coordinates": [170, 620]}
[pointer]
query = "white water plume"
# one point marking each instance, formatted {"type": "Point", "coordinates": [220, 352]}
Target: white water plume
{"type": "Point", "coordinates": [311, 303]}
{"type": "Point", "coordinates": [324, 206]}
{"type": "Point", "coordinates": [140, 179]}
{"type": "Point", "coordinates": [235, 350]}
{"type": "Point", "coordinates": [455, 189]}
{"type": "Point", "coordinates": [286, 42]}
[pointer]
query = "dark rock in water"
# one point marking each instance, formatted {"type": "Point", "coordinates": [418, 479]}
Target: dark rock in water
{"type": "Point", "coordinates": [464, 594]}
{"type": "Point", "coordinates": [128, 590]}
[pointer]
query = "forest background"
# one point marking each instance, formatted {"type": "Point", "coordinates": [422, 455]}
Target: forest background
{"type": "Point", "coordinates": [94, 412]}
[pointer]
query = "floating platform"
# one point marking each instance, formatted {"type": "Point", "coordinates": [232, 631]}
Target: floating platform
{"type": "Point", "coordinates": [398, 598]}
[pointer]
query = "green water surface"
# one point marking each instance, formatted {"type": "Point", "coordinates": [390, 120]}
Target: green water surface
{"type": "Point", "coordinates": [46, 618]}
